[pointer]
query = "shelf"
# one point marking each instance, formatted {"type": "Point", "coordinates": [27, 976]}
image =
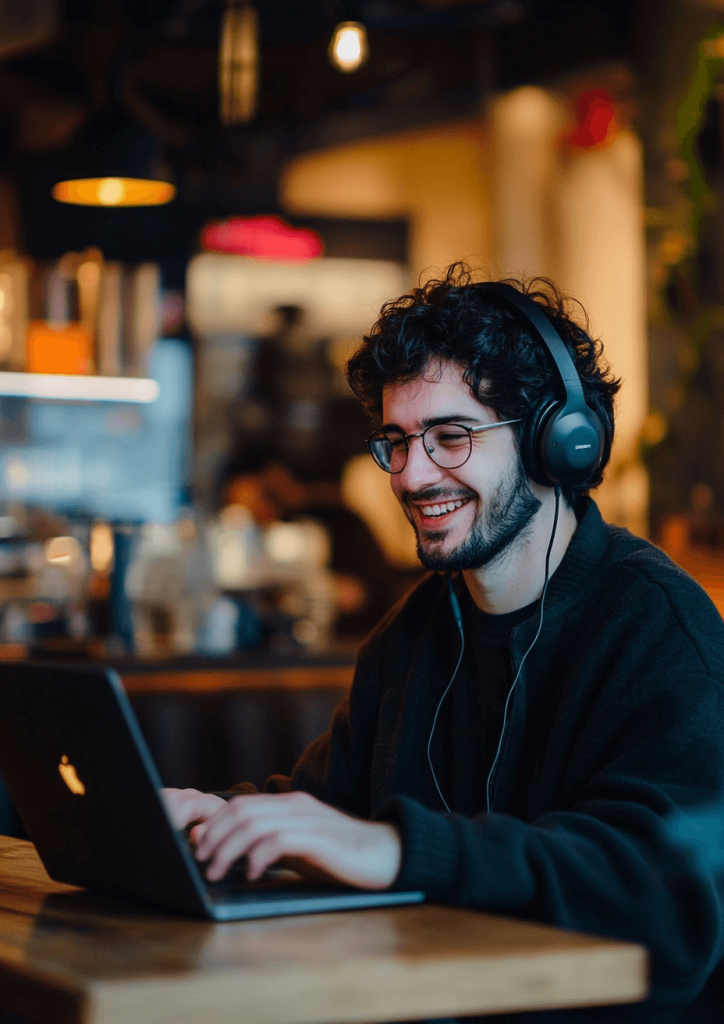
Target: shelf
{"type": "Point", "coordinates": [76, 388]}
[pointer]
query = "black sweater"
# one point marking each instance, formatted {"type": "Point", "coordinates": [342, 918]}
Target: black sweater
{"type": "Point", "coordinates": [615, 736]}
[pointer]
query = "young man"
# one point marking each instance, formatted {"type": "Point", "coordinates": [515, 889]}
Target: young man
{"type": "Point", "coordinates": [532, 729]}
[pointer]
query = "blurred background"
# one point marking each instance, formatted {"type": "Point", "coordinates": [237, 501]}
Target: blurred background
{"type": "Point", "coordinates": [203, 205]}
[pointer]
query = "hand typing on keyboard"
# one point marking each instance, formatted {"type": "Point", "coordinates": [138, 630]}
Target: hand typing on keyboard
{"type": "Point", "coordinates": [294, 829]}
{"type": "Point", "coordinates": [186, 807]}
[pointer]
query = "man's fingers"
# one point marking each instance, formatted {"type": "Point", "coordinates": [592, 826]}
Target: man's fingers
{"type": "Point", "coordinates": [234, 845]}
{"type": "Point", "coordinates": [248, 809]}
{"type": "Point", "coordinates": [269, 828]}
{"type": "Point", "coordinates": [268, 851]}
{"type": "Point", "coordinates": [263, 847]}
{"type": "Point", "coordinates": [238, 829]}
{"type": "Point", "coordinates": [187, 805]}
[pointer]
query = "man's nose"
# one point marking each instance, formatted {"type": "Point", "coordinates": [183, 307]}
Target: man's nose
{"type": "Point", "coordinates": [420, 471]}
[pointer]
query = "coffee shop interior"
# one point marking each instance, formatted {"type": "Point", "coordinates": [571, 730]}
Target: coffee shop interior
{"type": "Point", "coordinates": [203, 206]}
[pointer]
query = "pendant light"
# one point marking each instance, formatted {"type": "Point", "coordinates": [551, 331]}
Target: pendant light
{"type": "Point", "coordinates": [349, 49]}
{"type": "Point", "coordinates": [114, 192]}
{"type": "Point", "coordinates": [238, 62]}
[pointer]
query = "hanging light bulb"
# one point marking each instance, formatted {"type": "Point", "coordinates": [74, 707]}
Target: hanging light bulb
{"type": "Point", "coordinates": [348, 49]}
{"type": "Point", "coordinates": [238, 62]}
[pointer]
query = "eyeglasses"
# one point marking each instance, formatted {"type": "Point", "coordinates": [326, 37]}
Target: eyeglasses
{"type": "Point", "coordinates": [448, 444]}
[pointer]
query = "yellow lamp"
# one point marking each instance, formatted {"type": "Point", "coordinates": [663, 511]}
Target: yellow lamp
{"type": "Point", "coordinates": [114, 192]}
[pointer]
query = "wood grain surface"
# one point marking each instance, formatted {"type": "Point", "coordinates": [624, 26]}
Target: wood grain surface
{"type": "Point", "coordinates": [224, 680]}
{"type": "Point", "coordinates": [72, 957]}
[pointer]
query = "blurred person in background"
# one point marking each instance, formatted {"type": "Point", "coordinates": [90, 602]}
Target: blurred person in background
{"type": "Point", "coordinates": [284, 414]}
{"type": "Point", "coordinates": [365, 584]}
{"type": "Point", "coordinates": [536, 727]}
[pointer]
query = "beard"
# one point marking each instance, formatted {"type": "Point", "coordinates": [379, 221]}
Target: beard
{"type": "Point", "coordinates": [509, 511]}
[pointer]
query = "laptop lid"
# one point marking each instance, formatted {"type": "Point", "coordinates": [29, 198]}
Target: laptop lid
{"type": "Point", "coordinates": [80, 773]}
{"type": "Point", "coordinates": [78, 769]}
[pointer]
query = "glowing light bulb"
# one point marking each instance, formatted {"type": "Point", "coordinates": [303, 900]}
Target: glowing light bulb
{"type": "Point", "coordinates": [110, 191]}
{"type": "Point", "coordinates": [348, 49]}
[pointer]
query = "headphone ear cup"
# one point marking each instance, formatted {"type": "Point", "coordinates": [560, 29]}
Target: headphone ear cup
{"type": "Point", "coordinates": [531, 440]}
{"type": "Point", "coordinates": [559, 447]}
{"type": "Point", "coordinates": [571, 446]}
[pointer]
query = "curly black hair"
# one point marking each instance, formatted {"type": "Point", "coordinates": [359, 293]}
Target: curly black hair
{"type": "Point", "coordinates": [506, 366]}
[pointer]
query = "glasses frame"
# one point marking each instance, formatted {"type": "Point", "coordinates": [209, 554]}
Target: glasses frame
{"type": "Point", "coordinates": [476, 429]}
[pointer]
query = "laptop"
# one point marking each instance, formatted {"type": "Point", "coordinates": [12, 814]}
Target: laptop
{"type": "Point", "coordinates": [81, 776]}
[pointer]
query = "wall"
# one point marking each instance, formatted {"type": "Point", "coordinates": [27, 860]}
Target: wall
{"type": "Point", "coordinates": [436, 177]}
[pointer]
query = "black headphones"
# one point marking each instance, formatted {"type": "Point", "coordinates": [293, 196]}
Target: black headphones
{"type": "Point", "coordinates": [561, 443]}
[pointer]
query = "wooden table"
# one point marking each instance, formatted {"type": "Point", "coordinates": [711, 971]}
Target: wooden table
{"type": "Point", "coordinates": [71, 957]}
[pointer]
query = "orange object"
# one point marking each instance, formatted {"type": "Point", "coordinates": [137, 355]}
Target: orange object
{"type": "Point", "coordinates": [59, 349]}
{"type": "Point", "coordinates": [114, 192]}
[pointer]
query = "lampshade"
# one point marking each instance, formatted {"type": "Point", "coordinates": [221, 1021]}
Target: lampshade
{"type": "Point", "coordinates": [114, 192]}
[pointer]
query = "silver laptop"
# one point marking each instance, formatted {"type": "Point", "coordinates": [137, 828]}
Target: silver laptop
{"type": "Point", "coordinates": [78, 769]}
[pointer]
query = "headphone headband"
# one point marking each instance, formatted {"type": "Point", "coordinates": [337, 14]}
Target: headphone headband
{"type": "Point", "coordinates": [561, 443]}
{"type": "Point", "coordinates": [550, 338]}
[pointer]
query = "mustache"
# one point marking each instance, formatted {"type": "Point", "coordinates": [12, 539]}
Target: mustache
{"type": "Point", "coordinates": [432, 495]}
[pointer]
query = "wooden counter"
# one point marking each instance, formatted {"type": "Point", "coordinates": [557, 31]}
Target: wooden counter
{"type": "Point", "coordinates": [203, 675]}
{"type": "Point", "coordinates": [227, 680]}
{"type": "Point", "coordinates": [69, 957]}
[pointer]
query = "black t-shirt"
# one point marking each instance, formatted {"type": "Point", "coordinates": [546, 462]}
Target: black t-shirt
{"type": "Point", "coordinates": [475, 706]}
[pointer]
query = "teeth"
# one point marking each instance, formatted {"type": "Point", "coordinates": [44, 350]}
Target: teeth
{"type": "Point", "coordinates": [441, 510]}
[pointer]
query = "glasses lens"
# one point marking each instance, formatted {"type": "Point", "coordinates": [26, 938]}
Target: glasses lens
{"type": "Point", "coordinates": [389, 450]}
{"type": "Point", "coordinates": [448, 444]}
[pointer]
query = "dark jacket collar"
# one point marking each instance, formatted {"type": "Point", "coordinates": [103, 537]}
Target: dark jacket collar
{"type": "Point", "coordinates": [578, 568]}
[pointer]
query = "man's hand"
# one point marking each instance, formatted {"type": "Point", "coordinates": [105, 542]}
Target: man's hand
{"type": "Point", "coordinates": [298, 829]}
{"type": "Point", "coordinates": [185, 806]}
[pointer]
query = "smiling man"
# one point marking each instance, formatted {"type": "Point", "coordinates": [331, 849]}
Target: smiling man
{"type": "Point", "coordinates": [528, 728]}
{"type": "Point", "coordinates": [464, 488]}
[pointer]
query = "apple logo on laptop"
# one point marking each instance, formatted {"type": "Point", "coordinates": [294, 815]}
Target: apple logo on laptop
{"type": "Point", "coordinates": [70, 777]}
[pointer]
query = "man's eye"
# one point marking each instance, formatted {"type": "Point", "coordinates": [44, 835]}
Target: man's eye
{"type": "Point", "coordinates": [395, 443]}
{"type": "Point", "coordinates": [451, 438]}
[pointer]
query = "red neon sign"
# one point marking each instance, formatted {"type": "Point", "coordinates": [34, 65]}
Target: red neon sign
{"type": "Point", "coordinates": [262, 238]}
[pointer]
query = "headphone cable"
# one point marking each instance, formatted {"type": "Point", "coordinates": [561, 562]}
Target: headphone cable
{"type": "Point", "coordinates": [458, 620]}
{"type": "Point", "coordinates": [522, 661]}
